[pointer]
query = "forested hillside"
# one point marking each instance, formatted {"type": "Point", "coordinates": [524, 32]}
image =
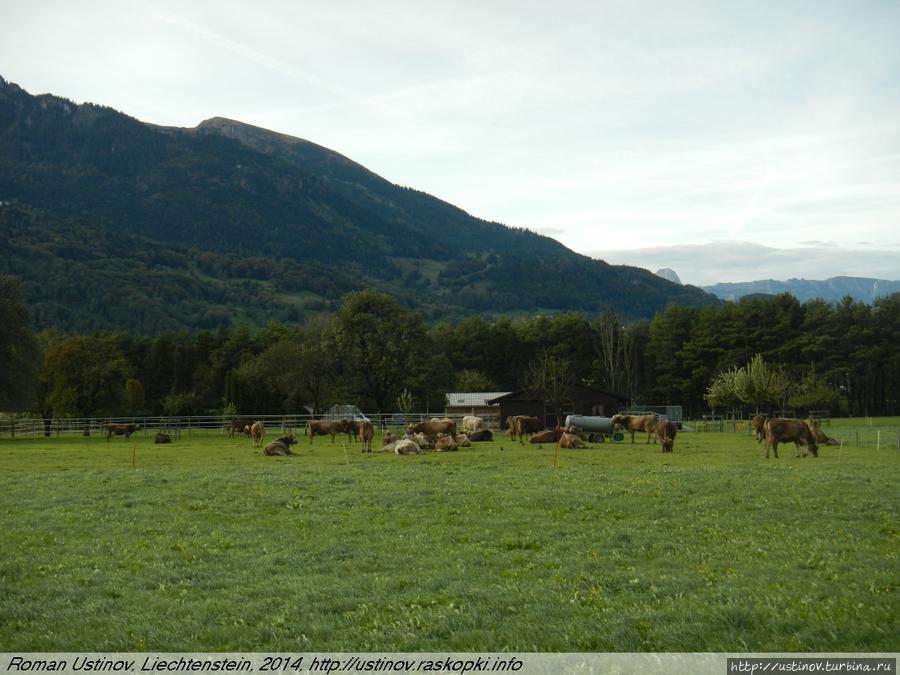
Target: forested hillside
{"type": "Point", "coordinates": [157, 229]}
{"type": "Point", "coordinates": [839, 358]}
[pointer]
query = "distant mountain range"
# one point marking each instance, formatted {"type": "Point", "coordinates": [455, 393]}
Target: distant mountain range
{"type": "Point", "coordinates": [113, 223]}
{"type": "Point", "coordinates": [833, 289]}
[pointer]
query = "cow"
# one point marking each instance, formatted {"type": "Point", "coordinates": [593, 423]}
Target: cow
{"type": "Point", "coordinates": [257, 431]}
{"type": "Point", "coordinates": [549, 436]}
{"type": "Point", "coordinates": [520, 425]}
{"type": "Point", "coordinates": [463, 441]}
{"type": "Point", "coordinates": [366, 432]}
{"type": "Point", "coordinates": [632, 423]}
{"type": "Point", "coordinates": [280, 447]}
{"type": "Point", "coordinates": [402, 447]}
{"type": "Point", "coordinates": [120, 430]}
{"type": "Point", "coordinates": [567, 440]}
{"type": "Point", "coordinates": [433, 427]}
{"type": "Point", "coordinates": [471, 424]}
{"type": "Point", "coordinates": [816, 427]}
{"type": "Point", "coordinates": [387, 437]}
{"type": "Point", "coordinates": [325, 428]}
{"type": "Point", "coordinates": [422, 440]}
{"type": "Point", "coordinates": [242, 426]}
{"type": "Point", "coordinates": [665, 432]}
{"type": "Point", "coordinates": [445, 443]}
{"type": "Point", "coordinates": [480, 436]}
{"type": "Point", "coordinates": [758, 425]}
{"type": "Point", "coordinates": [162, 438]}
{"type": "Point", "coordinates": [785, 430]}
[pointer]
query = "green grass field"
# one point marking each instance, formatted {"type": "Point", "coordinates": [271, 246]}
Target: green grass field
{"type": "Point", "coordinates": [209, 545]}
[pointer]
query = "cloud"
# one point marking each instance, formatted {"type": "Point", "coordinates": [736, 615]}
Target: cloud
{"type": "Point", "coordinates": [735, 261]}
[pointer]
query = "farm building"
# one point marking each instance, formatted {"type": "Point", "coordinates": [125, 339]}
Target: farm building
{"type": "Point", "coordinates": [583, 400]}
{"type": "Point", "coordinates": [474, 403]}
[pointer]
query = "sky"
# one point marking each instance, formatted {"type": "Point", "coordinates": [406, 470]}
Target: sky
{"type": "Point", "coordinates": [729, 141]}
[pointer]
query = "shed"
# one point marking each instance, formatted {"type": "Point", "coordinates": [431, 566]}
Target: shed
{"type": "Point", "coordinates": [583, 400]}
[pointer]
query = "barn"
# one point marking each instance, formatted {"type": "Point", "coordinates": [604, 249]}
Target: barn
{"type": "Point", "coordinates": [583, 400]}
{"type": "Point", "coordinates": [475, 403]}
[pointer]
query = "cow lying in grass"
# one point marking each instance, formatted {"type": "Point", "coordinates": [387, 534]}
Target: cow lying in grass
{"type": "Point", "coordinates": [280, 447]}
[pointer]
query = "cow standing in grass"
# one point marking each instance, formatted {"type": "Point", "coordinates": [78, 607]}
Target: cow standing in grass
{"type": "Point", "coordinates": [633, 423]}
{"type": "Point", "coordinates": [257, 431]}
{"type": "Point", "coordinates": [758, 425]}
{"type": "Point", "coordinates": [433, 427]}
{"type": "Point", "coordinates": [521, 425]}
{"type": "Point", "coordinates": [790, 430]}
{"type": "Point", "coordinates": [327, 428]}
{"type": "Point", "coordinates": [665, 432]}
{"type": "Point", "coordinates": [365, 432]}
{"type": "Point", "coordinates": [120, 430]}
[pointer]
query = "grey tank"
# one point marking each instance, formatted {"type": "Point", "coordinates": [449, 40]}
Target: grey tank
{"type": "Point", "coordinates": [594, 425]}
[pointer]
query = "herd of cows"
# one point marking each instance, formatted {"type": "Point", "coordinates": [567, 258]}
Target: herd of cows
{"type": "Point", "coordinates": [443, 435]}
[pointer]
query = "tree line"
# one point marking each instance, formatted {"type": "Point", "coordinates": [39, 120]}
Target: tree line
{"type": "Point", "coordinates": [374, 353]}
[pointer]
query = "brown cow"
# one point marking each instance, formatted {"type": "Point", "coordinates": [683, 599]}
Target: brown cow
{"type": "Point", "coordinates": [632, 423]}
{"type": "Point", "coordinates": [257, 431]}
{"type": "Point", "coordinates": [758, 425]}
{"type": "Point", "coordinates": [484, 435]}
{"type": "Point", "coordinates": [120, 430]}
{"type": "Point", "coordinates": [433, 427]}
{"type": "Point", "coordinates": [549, 436]}
{"type": "Point", "coordinates": [387, 437]}
{"type": "Point", "coordinates": [444, 443]}
{"type": "Point", "coordinates": [280, 447]}
{"type": "Point", "coordinates": [471, 424]}
{"type": "Point", "coordinates": [815, 426]}
{"type": "Point", "coordinates": [520, 425]}
{"type": "Point", "coordinates": [366, 432]}
{"type": "Point", "coordinates": [568, 440]}
{"type": "Point", "coordinates": [665, 432]}
{"type": "Point", "coordinates": [242, 426]}
{"type": "Point", "coordinates": [325, 428]}
{"type": "Point", "coordinates": [784, 430]}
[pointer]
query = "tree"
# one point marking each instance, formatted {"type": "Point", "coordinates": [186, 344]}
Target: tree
{"type": "Point", "coordinates": [19, 352]}
{"type": "Point", "coordinates": [85, 377]}
{"type": "Point", "coordinates": [614, 352]}
{"type": "Point", "coordinates": [723, 390]}
{"type": "Point", "coordinates": [134, 395]}
{"type": "Point", "coordinates": [757, 384]}
{"type": "Point", "coordinates": [473, 380]}
{"type": "Point", "coordinates": [552, 377]}
{"type": "Point", "coordinates": [379, 347]}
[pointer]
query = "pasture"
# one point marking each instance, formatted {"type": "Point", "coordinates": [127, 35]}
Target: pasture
{"type": "Point", "coordinates": [206, 544]}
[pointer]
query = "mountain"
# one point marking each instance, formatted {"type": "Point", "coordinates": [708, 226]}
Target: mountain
{"type": "Point", "coordinates": [227, 222]}
{"type": "Point", "coordinates": [833, 289]}
{"type": "Point", "coordinates": [670, 274]}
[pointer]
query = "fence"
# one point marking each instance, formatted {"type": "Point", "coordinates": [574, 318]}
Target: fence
{"type": "Point", "coordinates": [664, 412]}
{"type": "Point", "coordinates": [858, 434]}
{"type": "Point", "coordinates": [190, 424]}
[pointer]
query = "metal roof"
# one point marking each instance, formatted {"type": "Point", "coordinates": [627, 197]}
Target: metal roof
{"type": "Point", "coordinates": [473, 399]}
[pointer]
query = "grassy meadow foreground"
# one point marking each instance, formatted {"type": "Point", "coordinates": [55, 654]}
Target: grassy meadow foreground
{"type": "Point", "coordinates": [209, 545]}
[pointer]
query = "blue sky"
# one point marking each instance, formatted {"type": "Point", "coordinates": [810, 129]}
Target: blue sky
{"type": "Point", "coordinates": [623, 129]}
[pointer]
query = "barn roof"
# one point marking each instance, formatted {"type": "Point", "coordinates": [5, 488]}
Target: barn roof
{"type": "Point", "coordinates": [473, 399]}
{"type": "Point", "coordinates": [531, 395]}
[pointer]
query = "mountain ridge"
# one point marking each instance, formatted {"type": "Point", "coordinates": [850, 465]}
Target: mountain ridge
{"type": "Point", "coordinates": [225, 188]}
{"type": "Point", "coordinates": [863, 289]}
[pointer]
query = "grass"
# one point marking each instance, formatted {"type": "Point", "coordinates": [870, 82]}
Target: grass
{"type": "Point", "coordinates": [208, 545]}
